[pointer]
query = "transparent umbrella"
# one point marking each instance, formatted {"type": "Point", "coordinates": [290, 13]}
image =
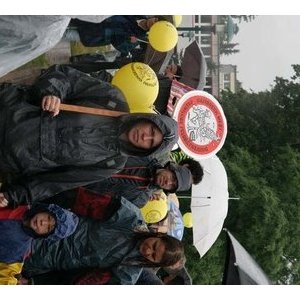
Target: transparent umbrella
{"type": "Point", "coordinates": [240, 267]}
{"type": "Point", "coordinates": [209, 204]}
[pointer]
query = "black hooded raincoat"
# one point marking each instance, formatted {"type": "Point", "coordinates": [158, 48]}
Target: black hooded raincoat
{"type": "Point", "coordinates": [51, 155]}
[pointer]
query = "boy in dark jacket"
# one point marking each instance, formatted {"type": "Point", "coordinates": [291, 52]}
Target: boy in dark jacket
{"type": "Point", "coordinates": [50, 155]}
{"type": "Point", "coordinates": [137, 183]}
{"type": "Point", "coordinates": [20, 226]}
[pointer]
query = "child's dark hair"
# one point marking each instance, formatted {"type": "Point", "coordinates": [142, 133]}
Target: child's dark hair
{"type": "Point", "coordinates": [195, 168]}
{"type": "Point", "coordinates": [173, 251]}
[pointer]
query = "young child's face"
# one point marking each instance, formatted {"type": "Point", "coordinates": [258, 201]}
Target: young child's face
{"type": "Point", "coordinates": [42, 223]}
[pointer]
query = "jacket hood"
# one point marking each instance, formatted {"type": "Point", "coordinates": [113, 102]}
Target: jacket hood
{"type": "Point", "coordinates": [167, 125]}
{"type": "Point", "coordinates": [183, 175]}
{"type": "Point", "coordinates": [66, 221]}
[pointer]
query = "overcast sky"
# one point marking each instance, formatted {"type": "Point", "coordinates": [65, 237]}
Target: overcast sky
{"type": "Point", "coordinates": [268, 46]}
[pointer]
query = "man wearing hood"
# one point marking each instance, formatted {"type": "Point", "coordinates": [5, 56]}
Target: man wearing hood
{"type": "Point", "coordinates": [48, 155]}
{"type": "Point", "coordinates": [20, 226]}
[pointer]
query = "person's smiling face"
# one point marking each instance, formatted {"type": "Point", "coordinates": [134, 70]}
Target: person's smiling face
{"type": "Point", "coordinates": [42, 223]}
{"type": "Point", "coordinates": [153, 249]}
{"type": "Point", "coordinates": [145, 135]}
{"type": "Point", "coordinates": [165, 179]}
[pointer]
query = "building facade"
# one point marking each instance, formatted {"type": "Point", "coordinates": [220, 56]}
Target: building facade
{"type": "Point", "coordinates": [210, 31]}
{"type": "Point", "coordinates": [227, 78]}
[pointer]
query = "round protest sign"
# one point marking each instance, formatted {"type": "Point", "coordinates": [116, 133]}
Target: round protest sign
{"type": "Point", "coordinates": [202, 124]}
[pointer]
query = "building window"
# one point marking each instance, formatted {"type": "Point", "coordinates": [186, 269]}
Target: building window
{"type": "Point", "coordinates": [226, 85]}
{"type": "Point", "coordinates": [206, 39]}
{"type": "Point", "coordinates": [197, 19]}
{"type": "Point", "coordinates": [206, 50]}
{"type": "Point", "coordinates": [227, 77]}
{"type": "Point", "coordinates": [208, 90]}
{"type": "Point", "coordinates": [208, 80]}
{"type": "Point", "coordinates": [206, 29]}
{"type": "Point", "coordinates": [205, 19]}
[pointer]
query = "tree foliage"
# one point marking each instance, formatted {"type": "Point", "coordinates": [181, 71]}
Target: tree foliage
{"type": "Point", "coordinates": [262, 159]}
{"type": "Point", "coordinates": [245, 18]}
{"type": "Point", "coordinates": [228, 48]}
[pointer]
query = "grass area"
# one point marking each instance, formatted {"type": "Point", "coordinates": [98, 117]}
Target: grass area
{"type": "Point", "coordinates": [77, 48]}
{"type": "Point", "coordinates": [41, 61]}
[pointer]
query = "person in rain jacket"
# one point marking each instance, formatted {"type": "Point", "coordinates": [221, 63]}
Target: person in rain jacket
{"type": "Point", "coordinates": [123, 32]}
{"type": "Point", "coordinates": [20, 226]}
{"type": "Point", "coordinates": [138, 184]}
{"type": "Point", "coordinates": [122, 244]}
{"type": "Point", "coordinates": [49, 154]}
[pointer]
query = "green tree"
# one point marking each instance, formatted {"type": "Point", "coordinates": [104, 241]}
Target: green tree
{"type": "Point", "coordinates": [261, 155]}
{"type": "Point", "coordinates": [228, 48]}
{"type": "Point", "coordinates": [245, 18]}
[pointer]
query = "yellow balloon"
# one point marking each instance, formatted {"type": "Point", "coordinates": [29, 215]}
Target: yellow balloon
{"type": "Point", "coordinates": [139, 84]}
{"type": "Point", "coordinates": [177, 20]}
{"type": "Point", "coordinates": [163, 36]}
{"type": "Point", "coordinates": [144, 110]}
{"type": "Point", "coordinates": [155, 210]}
{"type": "Point", "coordinates": [188, 220]}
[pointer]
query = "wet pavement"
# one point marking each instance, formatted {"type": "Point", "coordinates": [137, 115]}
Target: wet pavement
{"type": "Point", "coordinates": [59, 54]}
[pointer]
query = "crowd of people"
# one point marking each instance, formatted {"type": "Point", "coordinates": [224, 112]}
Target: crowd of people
{"type": "Point", "coordinates": [72, 185]}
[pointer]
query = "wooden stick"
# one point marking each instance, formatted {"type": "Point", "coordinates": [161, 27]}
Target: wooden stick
{"type": "Point", "coordinates": [142, 41]}
{"type": "Point", "coordinates": [91, 110]}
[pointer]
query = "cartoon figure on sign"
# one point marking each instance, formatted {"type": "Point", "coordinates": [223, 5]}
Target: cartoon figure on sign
{"type": "Point", "coordinates": [199, 116]}
{"type": "Point", "coordinates": [200, 124]}
{"type": "Point", "coordinates": [208, 133]}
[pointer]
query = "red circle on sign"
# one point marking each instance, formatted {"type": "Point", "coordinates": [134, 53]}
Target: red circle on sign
{"type": "Point", "coordinates": [202, 125]}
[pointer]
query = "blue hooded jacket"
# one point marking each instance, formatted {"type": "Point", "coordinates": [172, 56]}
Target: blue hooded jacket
{"type": "Point", "coordinates": [66, 221]}
{"type": "Point", "coordinates": [16, 239]}
{"type": "Point", "coordinates": [94, 244]}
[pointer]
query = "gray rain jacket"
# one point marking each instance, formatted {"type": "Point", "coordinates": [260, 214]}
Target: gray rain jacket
{"type": "Point", "coordinates": [94, 244]}
{"type": "Point", "coordinates": [51, 155]}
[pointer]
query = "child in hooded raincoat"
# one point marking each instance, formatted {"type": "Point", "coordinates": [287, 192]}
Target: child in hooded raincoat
{"type": "Point", "coordinates": [20, 226]}
{"type": "Point", "coordinates": [122, 244]}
